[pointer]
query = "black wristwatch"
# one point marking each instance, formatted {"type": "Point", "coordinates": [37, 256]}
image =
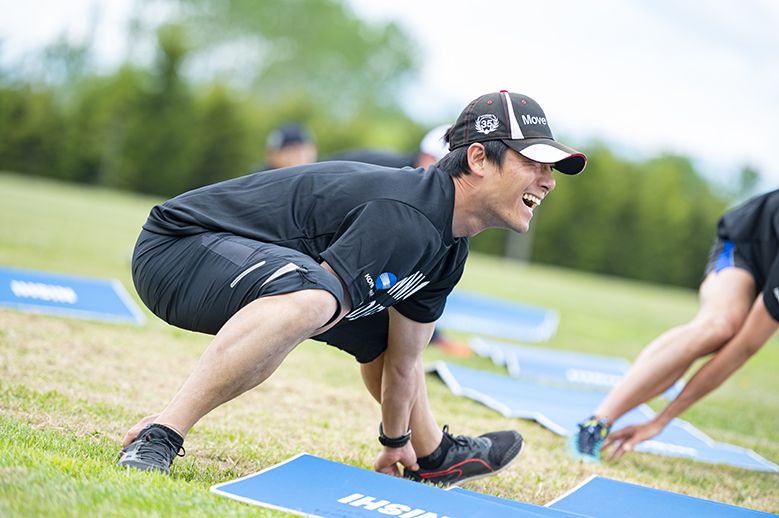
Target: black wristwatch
{"type": "Point", "coordinates": [397, 442]}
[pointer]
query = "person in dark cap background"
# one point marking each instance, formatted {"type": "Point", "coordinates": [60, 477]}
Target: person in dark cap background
{"type": "Point", "coordinates": [289, 144]}
{"type": "Point", "coordinates": [432, 148]}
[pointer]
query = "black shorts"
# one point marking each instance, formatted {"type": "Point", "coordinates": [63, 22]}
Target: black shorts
{"type": "Point", "coordinates": [724, 254]}
{"type": "Point", "coordinates": [198, 282]}
{"type": "Point", "coordinates": [365, 338]}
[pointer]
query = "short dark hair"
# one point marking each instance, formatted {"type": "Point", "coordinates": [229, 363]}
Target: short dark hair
{"type": "Point", "coordinates": [455, 163]}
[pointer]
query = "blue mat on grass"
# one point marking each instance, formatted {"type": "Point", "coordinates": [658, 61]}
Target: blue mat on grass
{"type": "Point", "coordinates": [470, 312]}
{"type": "Point", "coordinates": [72, 296]}
{"type": "Point", "coordinates": [559, 366]}
{"type": "Point", "coordinates": [311, 486]}
{"type": "Point", "coordinates": [553, 365]}
{"type": "Point", "coordinates": [600, 497]}
{"type": "Point", "coordinates": [561, 408]}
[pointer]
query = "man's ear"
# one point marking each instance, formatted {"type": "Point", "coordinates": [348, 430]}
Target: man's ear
{"type": "Point", "coordinates": [477, 158]}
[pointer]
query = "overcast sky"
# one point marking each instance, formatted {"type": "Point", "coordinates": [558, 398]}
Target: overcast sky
{"type": "Point", "coordinates": [694, 77]}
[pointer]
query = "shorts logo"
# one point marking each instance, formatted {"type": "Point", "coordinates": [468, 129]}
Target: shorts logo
{"type": "Point", "coordinates": [385, 281]}
{"type": "Point", "coordinates": [487, 123]}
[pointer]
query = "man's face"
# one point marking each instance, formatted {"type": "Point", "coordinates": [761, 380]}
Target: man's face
{"type": "Point", "coordinates": [424, 160]}
{"type": "Point", "coordinates": [299, 153]}
{"type": "Point", "coordinates": [515, 189]}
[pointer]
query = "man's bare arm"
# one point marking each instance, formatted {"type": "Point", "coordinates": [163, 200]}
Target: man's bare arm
{"type": "Point", "coordinates": [407, 339]}
{"type": "Point", "coordinates": [757, 329]}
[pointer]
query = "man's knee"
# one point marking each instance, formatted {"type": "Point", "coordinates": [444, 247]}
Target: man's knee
{"type": "Point", "coordinates": [718, 328]}
{"type": "Point", "coordinates": [724, 327]}
{"type": "Point", "coordinates": [316, 308]}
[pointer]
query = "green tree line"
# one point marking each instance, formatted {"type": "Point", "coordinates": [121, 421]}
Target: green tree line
{"type": "Point", "coordinates": [150, 129]}
{"type": "Point", "coordinates": [153, 128]}
{"type": "Point", "coordinates": [653, 220]}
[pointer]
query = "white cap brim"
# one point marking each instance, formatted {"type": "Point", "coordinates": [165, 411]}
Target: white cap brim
{"type": "Point", "coordinates": [565, 159]}
{"type": "Point", "coordinates": [544, 154]}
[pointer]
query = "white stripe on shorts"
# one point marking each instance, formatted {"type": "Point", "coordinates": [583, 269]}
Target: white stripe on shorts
{"type": "Point", "coordinates": [245, 273]}
{"type": "Point", "coordinates": [289, 267]}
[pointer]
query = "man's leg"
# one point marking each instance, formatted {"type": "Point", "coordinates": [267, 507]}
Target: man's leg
{"type": "Point", "coordinates": [244, 353]}
{"type": "Point", "coordinates": [725, 300]}
{"type": "Point", "coordinates": [445, 459]}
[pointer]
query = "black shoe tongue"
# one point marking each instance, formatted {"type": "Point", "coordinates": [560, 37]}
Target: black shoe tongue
{"type": "Point", "coordinates": [436, 458]}
{"type": "Point", "coordinates": [159, 431]}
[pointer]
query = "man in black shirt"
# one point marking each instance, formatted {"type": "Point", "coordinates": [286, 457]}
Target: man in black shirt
{"type": "Point", "coordinates": [739, 311]}
{"type": "Point", "coordinates": [356, 255]}
{"type": "Point", "coordinates": [432, 148]}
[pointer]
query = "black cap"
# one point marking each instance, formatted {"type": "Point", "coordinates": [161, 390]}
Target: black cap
{"type": "Point", "coordinates": [520, 123]}
{"type": "Point", "coordinates": [290, 133]}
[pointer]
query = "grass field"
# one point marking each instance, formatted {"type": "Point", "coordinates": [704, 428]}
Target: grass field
{"type": "Point", "coordinates": [69, 389]}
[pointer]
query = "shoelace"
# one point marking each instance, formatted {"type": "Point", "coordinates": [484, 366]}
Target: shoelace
{"type": "Point", "coordinates": [153, 452]}
{"type": "Point", "coordinates": [461, 441]}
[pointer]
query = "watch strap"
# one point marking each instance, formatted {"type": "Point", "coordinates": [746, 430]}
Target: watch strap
{"type": "Point", "coordinates": [396, 442]}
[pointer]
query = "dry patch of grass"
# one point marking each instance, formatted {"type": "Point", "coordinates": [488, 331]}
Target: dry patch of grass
{"type": "Point", "coordinates": [95, 380]}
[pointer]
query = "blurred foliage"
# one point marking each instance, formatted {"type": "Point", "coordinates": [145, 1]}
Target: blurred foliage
{"type": "Point", "coordinates": [183, 121]}
{"type": "Point", "coordinates": [491, 241]}
{"type": "Point", "coordinates": [748, 182]}
{"type": "Point", "coordinates": [32, 131]}
{"type": "Point", "coordinates": [225, 73]}
{"type": "Point", "coordinates": [315, 49]}
{"type": "Point", "coordinates": [654, 221]}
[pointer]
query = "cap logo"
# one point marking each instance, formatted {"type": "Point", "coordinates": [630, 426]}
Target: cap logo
{"type": "Point", "coordinates": [487, 123]}
{"type": "Point", "coordinates": [532, 119]}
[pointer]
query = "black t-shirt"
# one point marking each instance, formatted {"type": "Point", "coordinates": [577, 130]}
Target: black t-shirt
{"type": "Point", "coordinates": [754, 228]}
{"type": "Point", "coordinates": [378, 157]}
{"type": "Point", "coordinates": [386, 232]}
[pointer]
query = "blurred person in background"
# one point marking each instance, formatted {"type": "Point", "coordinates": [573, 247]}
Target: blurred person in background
{"type": "Point", "coordinates": [288, 145]}
{"type": "Point", "coordinates": [432, 148]}
{"type": "Point", "coordinates": [739, 312]}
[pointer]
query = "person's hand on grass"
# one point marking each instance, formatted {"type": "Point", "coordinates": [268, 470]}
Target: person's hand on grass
{"type": "Point", "coordinates": [135, 430]}
{"type": "Point", "coordinates": [627, 438]}
{"type": "Point", "coordinates": [387, 461]}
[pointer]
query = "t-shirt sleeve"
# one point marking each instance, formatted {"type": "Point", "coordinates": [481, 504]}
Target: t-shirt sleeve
{"type": "Point", "coordinates": [428, 304]}
{"type": "Point", "coordinates": [379, 237]}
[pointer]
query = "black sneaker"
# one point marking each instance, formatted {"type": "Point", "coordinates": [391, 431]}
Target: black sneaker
{"type": "Point", "coordinates": [470, 458]}
{"type": "Point", "coordinates": [586, 443]}
{"type": "Point", "coordinates": [152, 450]}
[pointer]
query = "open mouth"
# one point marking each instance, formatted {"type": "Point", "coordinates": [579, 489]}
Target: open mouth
{"type": "Point", "coordinates": [531, 201]}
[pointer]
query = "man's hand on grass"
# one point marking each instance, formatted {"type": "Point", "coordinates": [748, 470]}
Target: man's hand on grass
{"type": "Point", "coordinates": [627, 438]}
{"type": "Point", "coordinates": [135, 430]}
{"type": "Point", "coordinates": [387, 461]}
